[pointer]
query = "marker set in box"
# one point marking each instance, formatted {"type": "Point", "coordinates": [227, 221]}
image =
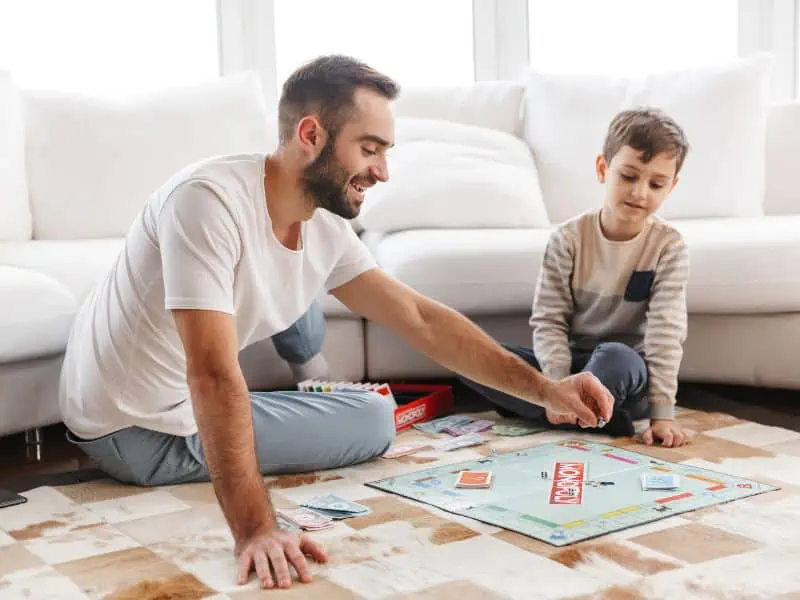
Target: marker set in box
{"type": "Point", "coordinates": [316, 385]}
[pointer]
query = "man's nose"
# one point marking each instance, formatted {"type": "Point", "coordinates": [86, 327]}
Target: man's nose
{"type": "Point", "coordinates": [380, 171]}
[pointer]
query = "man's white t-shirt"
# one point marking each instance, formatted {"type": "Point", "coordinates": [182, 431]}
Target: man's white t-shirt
{"type": "Point", "coordinates": [204, 240]}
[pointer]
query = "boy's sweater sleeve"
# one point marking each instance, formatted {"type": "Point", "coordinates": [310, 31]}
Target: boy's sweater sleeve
{"type": "Point", "coordinates": [666, 328]}
{"type": "Point", "coordinates": [553, 305]}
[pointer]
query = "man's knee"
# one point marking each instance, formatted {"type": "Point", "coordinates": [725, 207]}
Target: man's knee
{"type": "Point", "coordinates": [303, 339]}
{"type": "Point", "coordinates": [377, 413]}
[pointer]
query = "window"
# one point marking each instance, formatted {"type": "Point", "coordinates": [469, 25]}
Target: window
{"type": "Point", "coordinates": [108, 47]}
{"type": "Point", "coordinates": [416, 42]}
{"type": "Point", "coordinates": [630, 37]}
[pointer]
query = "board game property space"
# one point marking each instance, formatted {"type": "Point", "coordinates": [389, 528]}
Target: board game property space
{"type": "Point", "coordinates": [570, 491]}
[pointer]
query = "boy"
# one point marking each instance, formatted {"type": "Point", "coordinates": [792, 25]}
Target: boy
{"type": "Point", "coordinates": [611, 294]}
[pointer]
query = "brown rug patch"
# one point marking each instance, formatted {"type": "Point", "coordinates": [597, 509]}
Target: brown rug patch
{"type": "Point", "coordinates": [526, 543]}
{"type": "Point", "coordinates": [387, 508]}
{"type": "Point", "coordinates": [700, 421]}
{"type": "Point", "coordinates": [115, 570]}
{"type": "Point", "coordinates": [283, 482]}
{"type": "Point", "coordinates": [35, 530]}
{"type": "Point", "coordinates": [617, 553]}
{"type": "Point", "coordinates": [615, 592]}
{"type": "Point", "coordinates": [99, 490]}
{"type": "Point", "coordinates": [696, 543]}
{"type": "Point", "coordinates": [16, 558]}
{"type": "Point", "coordinates": [180, 587]}
{"type": "Point", "coordinates": [716, 450]}
{"type": "Point", "coordinates": [463, 590]}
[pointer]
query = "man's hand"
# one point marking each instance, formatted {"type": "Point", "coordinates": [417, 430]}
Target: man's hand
{"type": "Point", "coordinates": [668, 431]}
{"type": "Point", "coordinates": [274, 552]}
{"type": "Point", "coordinates": [580, 396]}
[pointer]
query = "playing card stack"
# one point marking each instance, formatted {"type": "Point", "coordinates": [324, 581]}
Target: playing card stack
{"type": "Point", "coordinates": [516, 428]}
{"type": "Point", "coordinates": [336, 508]}
{"type": "Point", "coordinates": [462, 441]}
{"type": "Point", "coordinates": [306, 519]}
{"type": "Point", "coordinates": [474, 479]}
{"type": "Point", "coordinates": [662, 481]}
{"type": "Point", "coordinates": [471, 427]}
{"type": "Point", "coordinates": [439, 425]}
{"type": "Point", "coordinates": [316, 385]}
{"type": "Point", "coordinates": [399, 450]}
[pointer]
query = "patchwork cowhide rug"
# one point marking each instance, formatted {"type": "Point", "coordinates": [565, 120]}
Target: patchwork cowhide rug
{"type": "Point", "coordinates": [106, 540]}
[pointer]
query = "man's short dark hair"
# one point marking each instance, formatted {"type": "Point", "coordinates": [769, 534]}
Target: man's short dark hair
{"type": "Point", "coordinates": [325, 86]}
{"type": "Point", "coordinates": [649, 131]}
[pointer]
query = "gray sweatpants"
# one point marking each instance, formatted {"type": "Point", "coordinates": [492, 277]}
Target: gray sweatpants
{"type": "Point", "coordinates": [295, 431]}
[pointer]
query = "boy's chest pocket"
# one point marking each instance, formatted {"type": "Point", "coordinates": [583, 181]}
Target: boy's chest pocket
{"type": "Point", "coordinates": [639, 285]}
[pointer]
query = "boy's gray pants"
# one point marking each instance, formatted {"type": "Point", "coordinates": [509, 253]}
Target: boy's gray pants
{"type": "Point", "coordinates": [295, 431]}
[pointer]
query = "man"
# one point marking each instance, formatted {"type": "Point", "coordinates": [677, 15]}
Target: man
{"type": "Point", "coordinates": [233, 250]}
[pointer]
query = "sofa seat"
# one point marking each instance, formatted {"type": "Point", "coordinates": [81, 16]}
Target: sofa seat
{"type": "Point", "coordinates": [493, 271]}
{"type": "Point", "coordinates": [36, 313]}
{"type": "Point", "coordinates": [80, 264]}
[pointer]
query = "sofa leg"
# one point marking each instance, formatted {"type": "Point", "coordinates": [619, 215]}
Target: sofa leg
{"type": "Point", "coordinates": [33, 444]}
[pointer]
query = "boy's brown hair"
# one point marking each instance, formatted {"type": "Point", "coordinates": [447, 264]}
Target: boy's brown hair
{"type": "Point", "coordinates": [649, 131]}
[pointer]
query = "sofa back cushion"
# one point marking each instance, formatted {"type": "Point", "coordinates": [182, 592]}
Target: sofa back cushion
{"type": "Point", "coordinates": [93, 162]}
{"type": "Point", "coordinates": [449, 175]}
{"type": "Point", "coordinates": [723, 110]}
{"type": "Point", "coordinates": [15, 211]}
{"type": "Point", "coordinates": [491, 104]}
{"type": "Point", "coordinates": [783, 150]}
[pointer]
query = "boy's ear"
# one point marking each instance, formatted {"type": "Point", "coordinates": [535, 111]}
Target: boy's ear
{"type": "Point", "coordinates": [601, 167]}
{"type": "Point", "coordinates": [674, 183]}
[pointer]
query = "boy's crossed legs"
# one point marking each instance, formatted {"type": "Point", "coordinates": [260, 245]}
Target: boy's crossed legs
{"type": "Point", "coordinates": [618, 367]}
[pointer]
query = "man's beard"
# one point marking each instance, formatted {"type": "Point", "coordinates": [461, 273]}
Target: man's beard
{"type": "Point", "coordinates": [325, 182]}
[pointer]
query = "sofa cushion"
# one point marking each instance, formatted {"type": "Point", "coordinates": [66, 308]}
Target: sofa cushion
{"type": "Point", "coordinates": [491, 104]}
{"type": "Point", "coordinates": [93, 162]}
{"type": "Point", "coordinates": [79, 264]}
{"type": "Point", "coordinates": [36, 314]}
{"type": "Point", "coordinates": [450, 175]}
{"type": "Point", "coordinates": [743, 265]}
{"type": "Point", "coordinates": [783, 148]}
{"type": "Point", "coordinates": [15, 223]}
{"type": "Point", "coordinates": [736, 265]}
{"type": "Point", "coordinates": [722, 109]}
{"type": "Point", "coordinates": [476, 271]}
{"type": "Point", "coordinates": [76, 264]}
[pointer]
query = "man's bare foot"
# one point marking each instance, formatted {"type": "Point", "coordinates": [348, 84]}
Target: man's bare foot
{"type": "Point", "coordinates": [559, 419]}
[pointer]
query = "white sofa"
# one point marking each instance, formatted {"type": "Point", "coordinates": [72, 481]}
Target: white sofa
{"type": "Point", "coordinates": [77, 169]}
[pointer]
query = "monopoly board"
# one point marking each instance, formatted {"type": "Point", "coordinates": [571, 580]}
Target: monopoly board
{"type": "Point", "coordinates": [570, 491]}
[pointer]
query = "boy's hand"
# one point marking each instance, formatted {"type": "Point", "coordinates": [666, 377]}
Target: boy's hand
{"type": "Point", "coordinates": [668, 431]}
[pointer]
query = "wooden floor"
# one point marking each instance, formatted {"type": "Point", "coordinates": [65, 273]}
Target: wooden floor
{"type": "Point", "coordinates": [61, 462]}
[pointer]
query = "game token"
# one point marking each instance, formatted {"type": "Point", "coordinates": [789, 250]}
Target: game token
{"type": "Point", "coordinates": [601, 422]}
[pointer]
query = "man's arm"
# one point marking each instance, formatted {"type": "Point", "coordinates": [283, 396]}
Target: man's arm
{"type": "Point", "coordinates": [222, 410]}
{"type": "Point", "coordinates": [455, 342]}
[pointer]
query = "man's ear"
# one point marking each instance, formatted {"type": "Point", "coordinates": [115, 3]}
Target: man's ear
{"type": "Point", "coordinates": [600, 167]}
{"type": "Point", "coordinates": [311, 135]}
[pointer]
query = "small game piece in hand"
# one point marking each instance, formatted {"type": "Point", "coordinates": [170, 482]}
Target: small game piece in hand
{"type": "Point", "coordinates": [474, 479]}
{"type": "Point", "coordinates": [601, 422]}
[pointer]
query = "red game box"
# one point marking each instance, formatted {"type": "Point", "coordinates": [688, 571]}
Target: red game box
{"type": "Point", "coordinates": [420, 402]}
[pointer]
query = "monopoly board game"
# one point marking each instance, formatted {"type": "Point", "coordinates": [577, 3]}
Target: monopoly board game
{"type": "Point", "coordinates": [570, 491]}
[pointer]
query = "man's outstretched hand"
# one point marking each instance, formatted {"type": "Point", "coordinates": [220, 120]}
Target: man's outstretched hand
{"type": "Point", "coordinates": [273, 552]}
{"type": "Point", "coordinates": [580, 396]}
